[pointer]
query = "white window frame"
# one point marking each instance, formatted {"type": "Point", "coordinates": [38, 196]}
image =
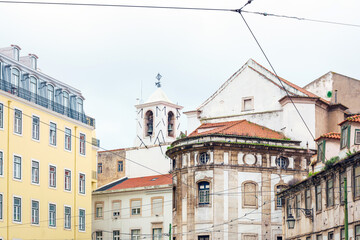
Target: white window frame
{"type": "Point", "coordinates": [18, 125]}
{"type": "Point", "coordinates": [357, 132]}
{"type": "Point", "coordinates": [38, 213]}
{"type": "Point", "coordinates": [49, 216]}
{"type": "Point", "coordinates": [80, 221]}
{"type": "Point", "coordinates": [38, 172]}
{"type": "Point", "coordinates": [251, 98]}
{"type": "Point", "coordinates": [55, 183]}
{"type": "Point", "coordinates": [1, 206]}
{"type": "Point", "coordinates": [32, 128]}
{"type": "Point", "coordinates": [1, 114]}
{"type": "Point", "coordinates": [65, 140]}
{"type": "Point", "coordinates": [50, 135]}
{"type": "Point", "coordinates": [15, 178]}
{"type": "Point", "coordinates": [82, 188]}
{"type": "Point", "coordinates": [136, 236]}
{"type": "Point", "coordinates": [67, 224]}
{"type": "Point", "coordinates": [82, 144]}
{"type": "Point", "coordinates": [20, 211]}
{"type": "Point", "coordinates": [116, 237]}
{"type": "Point", "coordinates": [65, 183]}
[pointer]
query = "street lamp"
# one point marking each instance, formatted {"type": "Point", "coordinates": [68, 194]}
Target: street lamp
{"type": "Point", "coordinates": [291, 221]}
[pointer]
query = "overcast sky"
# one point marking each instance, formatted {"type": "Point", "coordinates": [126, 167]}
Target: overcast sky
{"type": "Point", "coordinates": [107, 52]}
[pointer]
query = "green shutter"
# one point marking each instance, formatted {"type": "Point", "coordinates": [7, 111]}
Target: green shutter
{"type": "Point", "coordinates": [348, 140]}
{"type": "Point", "coordinates": [323, 152]}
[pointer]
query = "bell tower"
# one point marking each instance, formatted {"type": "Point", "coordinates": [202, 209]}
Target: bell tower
{"type": "Point", "coordinates": [158, 119]}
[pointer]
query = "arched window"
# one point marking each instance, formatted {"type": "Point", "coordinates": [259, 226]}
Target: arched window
{"type": "Point", "coordinates": [171, 121]}
{"type": "Point", "coordinates": [149, 123]}
{"type": "Point", "coordinates": [50, 95]}
{"type": "Point", "coordinates": [66, 102]}
{"type": "Point", "coordinates": [80, 105]}
{"type": "Point", "coordinates": [250, 194]}
{"type": "Point", "coordinates": [15, 76]}
{"type": "Point", "coordinates": [204, 193]}
{"type": "Point", "coordinates": [204, 158]}
{"type": "Point", "coordinates": [33, 88]}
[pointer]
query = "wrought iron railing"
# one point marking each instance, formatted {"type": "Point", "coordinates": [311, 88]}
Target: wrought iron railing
{"type": "Point", "coordinates": [45, 102]}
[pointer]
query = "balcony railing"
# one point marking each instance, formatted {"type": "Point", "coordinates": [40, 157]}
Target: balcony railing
{"type": "Point", "coordinates": [43, 101]}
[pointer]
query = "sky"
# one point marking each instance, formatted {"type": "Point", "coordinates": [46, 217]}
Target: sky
{"type": "Point", "coordinates": [114, 54]}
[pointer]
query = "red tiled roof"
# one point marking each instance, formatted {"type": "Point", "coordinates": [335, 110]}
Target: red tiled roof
{"type": "Point", "coordinates": [144, 182]}
{"type": "Point", "coordinates": [355, 118]}
{"type": "Point", "coordinates": [330, 135]}
{"type": "Point", "coordinates": [240, 128]}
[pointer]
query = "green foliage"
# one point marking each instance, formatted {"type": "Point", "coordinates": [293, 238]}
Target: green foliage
{"type": "Point", "coordinates": [312, 174]}
{"type": "Point", "coordinates": [331, 162]}
{"type": "Point", "coordinates": [181, 136]}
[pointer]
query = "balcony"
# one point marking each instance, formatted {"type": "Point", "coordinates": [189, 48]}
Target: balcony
{"type": "Point", "coordinates": [44, 102]}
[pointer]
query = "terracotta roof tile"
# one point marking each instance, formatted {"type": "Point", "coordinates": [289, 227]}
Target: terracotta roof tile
{"type": "Point", "coordinates": [330, 135]}
{"type": "Point", "coordinates": [144, 182]}
{"type": "Point", "coordinates": [239, 128]}
{"type": "Point", "coordinates": [355, 118]}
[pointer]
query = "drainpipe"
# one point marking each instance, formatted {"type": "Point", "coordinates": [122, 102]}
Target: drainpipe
{"type": "Point", "coordinates": [8, 175]}
{"type": "Point", "coordinates": [75, 182]}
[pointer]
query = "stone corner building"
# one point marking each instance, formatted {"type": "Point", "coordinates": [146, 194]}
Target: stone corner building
{"type": "Point", "coordinates": [225, 179]}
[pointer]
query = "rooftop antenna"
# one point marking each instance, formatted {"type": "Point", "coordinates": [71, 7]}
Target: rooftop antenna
{"type": "Point", "coordinates": [158, 83]}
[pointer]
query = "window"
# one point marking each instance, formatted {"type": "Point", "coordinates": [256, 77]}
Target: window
{"type": "Point", "coordinates": [331, 236]}
{"type": "Point", "coordinates": [52, 176]}
{"type": "Point", "coordinates": [135, 234]}
{"type": "Point", "coordinates": [345, 135]}
{"type": "Point", "coordinates": [318, 197]}
{"type": "Point", "coordinates": [66, 102]}
{"type": "Point", "coordinates": [1, 206]}
{"type": "Point", "coordinates": [357, 232]}
{"type": "Point", "coordinates": [149, 123]}
{"type": "Point", "coordinates": [51, 95]}
{"type": "Point", "coordinates": [318, 237]}
{"type": "Point", "coordinates": [17, 209]}
{"type": "Point", "coordinates": [18, 122]}
{"type": "Point", "coordinates": [1, 164]}
{"type": "Point", "coordinates": [67, 179]}
{"type": "Point", "coordinates": [342, 189]}
{"type": "Point", "coordinates": [157, 206]}
{"type": "Point", "coordinates": [120, 167]}
{"type": "Point", "coordinates": [135, 207]}
{"type": "Point", "coordinates": [204, 158]}
{"type": "Point", "coordinates": [279, 188]}
{"type": "Point", "coordinates": [81, 220]}
{"type": "Point", "coordinates": [321, 152]}
{"type": "Point", "coordinates": [35, 172]}
{"type": "Point", "coordinates": [15, 76]}
{"type": "Point", "coordinates": [342, 234]}
{"type": "Point", "coordinates": [99, 206]}
{"type": "Point", "coordinates": [297, 205]}
{"type": "Point", "coordinates": [250, 194]}
{"type": "Point", "coordinates": [35, 128]}
{"type": "Point", "coordinates": [33, 89]}
{"type": "Point", "coordinates": [282, 162]}
{"type": "Point", "coordinates": [52, 215]}
{"type": "Point", "coordinates": [53, 134]}
{"type": "Point", "coordinates": [116, 235]}
{"type": "Point", "coordinates": [357, 135]}
{"type": "Point", "coordinates": [330, 192]}
{"type": "Point", "coordinates": [116, 208]}
{"type": "Point", "coordinates": [99, 235]}
{"type": "Point", "coordinates": [34, 212]}
{"type": "Point", "coordinates": [68, 139]}
{"type": "Point", "coordinates": [67, 218]}
{"type": "Point", "coordinates": [171, 120]}
{"type": "Point", "coordinates": [208, 238]}
{"type": "Point", "coordinates": [17, 167]}
{"type": "Point", "coordinates": [99, 168]}
{"type": "Point", "coordinates": [80, 105]}
{"type": "Point", "coordinates": [357, 181]}
{"type": "Point", "coordinates": [1, 115]}
{"type": "Point", "coordinates": [157, 234]}
{"type": "Point", "coordinates": [174, 198]}
{"type": "Point", "coordinates": [308, 238]}
{"type": "Point", "coordinates": [204, 192]}
{"type": "Point", "coordinates": [82, 143]}
{"type": "Point", "coordinates": [82, 183]}
{"type": "Point", "coordinates": [308, 198]}
{"type": "Point", "coordinates": [247, 104]}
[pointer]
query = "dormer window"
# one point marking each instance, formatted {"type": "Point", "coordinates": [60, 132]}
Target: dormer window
{"type": "Point", "coordinates": [149, 123]}
{"type": "Point", "coordinates": [171, 121]}
{"type": "Point", "coordinates": [16, 53]}
{"type": "Point", "coordinates": [80, 105]}
{"type": "Point", "coordinates": [345, 137]}
{"type": "Point", "coordinates": [15, 76]}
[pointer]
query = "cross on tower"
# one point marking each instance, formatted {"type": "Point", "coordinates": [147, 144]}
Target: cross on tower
{"type": "Point", "coordinates": [158, 83]}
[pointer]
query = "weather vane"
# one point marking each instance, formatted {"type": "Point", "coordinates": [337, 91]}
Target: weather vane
{"type": "Point", "coordinates": [158, 83]}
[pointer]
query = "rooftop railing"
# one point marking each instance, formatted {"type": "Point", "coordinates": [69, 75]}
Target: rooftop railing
{"type": "Point", "coordinates": [45, 102]}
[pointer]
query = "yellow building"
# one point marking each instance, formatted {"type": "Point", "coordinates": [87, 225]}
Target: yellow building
{"type": "Point", "coordinates": [47, 154]}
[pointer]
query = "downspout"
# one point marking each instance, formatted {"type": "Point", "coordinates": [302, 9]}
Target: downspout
{"type": "Point", "coordinates": [8, 175]}
{"type": "Point", "coordinates": [75, 182]}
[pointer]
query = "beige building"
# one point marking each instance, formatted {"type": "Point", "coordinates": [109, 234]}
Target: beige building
{"type": "Point", "coordinates": [317, 203]}
{"type": "Point", "coordinates": [225, 176]}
